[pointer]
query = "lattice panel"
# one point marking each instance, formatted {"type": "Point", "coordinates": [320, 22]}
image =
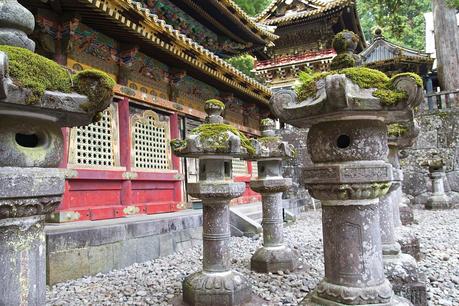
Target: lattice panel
{"type": "Point", "coordinates": [254, 169]}
{"type": "Point", "coordinates": [95, 145]}
{"type": "Point", "coordinates": [239, 167]}
{"type": "Point", "coordinates": [150, 142]}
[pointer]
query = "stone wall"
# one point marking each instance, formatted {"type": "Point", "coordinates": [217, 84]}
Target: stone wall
{"type": "Point", "coordinates": [86, 248]}
{"type": "Point", "coordinates": [439, 132]}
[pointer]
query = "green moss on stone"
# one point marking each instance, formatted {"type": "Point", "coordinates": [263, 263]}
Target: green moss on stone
{"type": "Point", "coordinates": [307, 87]}
{"type": "Point", "coordinates": [96, 85]}
{"type": "Point", "coordinates": [216, 103]}
{"type": "Point", "coordinates": [366, 77]}
{"type": "Point", "coordinates": [340, 42]}
{"type": "Point", "coordinates": [363, 77]}
{"type": "Point", "coordinates": [343, 60]}
{"type": "Point", "coordinates": [35, 72]}
{"type": "Point", "coordinates": [390, 96]}
{"type": "Point", "coordinates": [218, 134]}
{"type": "Point", "coordinates": [396, 130]}
{"type": "Point", "coordinates": [265, 122]}
{"type": "Point", "coordinates": [414, 76]}
{"type": "Point", "coordinates": [178, 144]}
{"type": "Point", "coordinates": [268, 139]}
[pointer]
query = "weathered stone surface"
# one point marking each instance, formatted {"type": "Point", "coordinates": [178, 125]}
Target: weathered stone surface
{"type": "Point", "coordinates": [216, 284]}
{"type": "Point", "coordinates": [22, 261]}
{"type": "Point", "coordinates": [347, 141]}
{"type": "Point", "coordinates": [15, 23]}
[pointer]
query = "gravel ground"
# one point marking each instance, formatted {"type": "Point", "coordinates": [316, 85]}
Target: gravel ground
{"type": "Point", "coordinates": [157, 282]}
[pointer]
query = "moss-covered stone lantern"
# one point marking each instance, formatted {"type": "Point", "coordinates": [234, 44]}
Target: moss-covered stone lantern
{"type": "Point", "coordinates": [37, 98]}
{"type": "Point", "coordinates": [347, 112]}
{"type": "Point", "coordinates": [215, 144]}
{"type": "Point", "coordinates": [274, 255]}
{"type": "Point", "coordinates": [400, 268]}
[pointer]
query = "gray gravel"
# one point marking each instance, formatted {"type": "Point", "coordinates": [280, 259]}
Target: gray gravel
{"type": "Point", "coordinates": [157, 282]}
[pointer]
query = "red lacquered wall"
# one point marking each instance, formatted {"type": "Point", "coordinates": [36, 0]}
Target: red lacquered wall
{"type": "Point", "coordinates": [96, 194]}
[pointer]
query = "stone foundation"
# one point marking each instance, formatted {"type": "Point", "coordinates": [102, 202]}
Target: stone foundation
{"type": "Point", "coordinates": [103, 246]}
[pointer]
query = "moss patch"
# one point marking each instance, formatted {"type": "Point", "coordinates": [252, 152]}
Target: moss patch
{"type": "Point", "coordinates": [265, 122]}
{"type": "Point", "coordinates": [390, 97]}
{"type": "Point", "coordinates": [343, 60]}
{"type": "Point", "coordinates": [216, 103]}
{"type": "Point", "coordinates": [363, 77]}
{"type": "Point", "coordinates": [307, 87]}
{"type": "Point", "coordinates": [94, 84]}
{"type": "Point", "coordinates": [414, 76]}
{"type": "Point", "coordinates": [178, 144]}
{"type": "Point", "coordinates": [366, 77]}
{"type": "Point", "coordinates": [396, 130]}
{"type": "Point", "coordinates": [268, 139]}
{"type": "Point", "coordinates": [341, 42]}
{"type": "Point", "coordinates": [217, 133]}
{"type": "Point", "coordinates": [36, 73]}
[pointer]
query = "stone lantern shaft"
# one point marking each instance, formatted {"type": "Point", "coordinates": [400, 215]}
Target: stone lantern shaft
{"type": "Point", "coordinates": [215, 144]}
{"type": "Point", "coordinates": [273, 256]}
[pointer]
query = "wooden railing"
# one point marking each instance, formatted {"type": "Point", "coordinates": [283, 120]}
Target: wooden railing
{"type": "Point", "coordinates": [441, 100]}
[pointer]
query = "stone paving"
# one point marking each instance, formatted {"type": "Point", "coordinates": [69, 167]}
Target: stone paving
{"type": "Point", "coordinates": [158, 282]}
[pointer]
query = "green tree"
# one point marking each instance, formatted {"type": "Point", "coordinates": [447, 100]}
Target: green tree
{"type": "Point", "coordinates": [253, 7]}
{"type": "Point", "coordinates": [244, 63]}
{"type": "Point", "coordinates": [401, 20]}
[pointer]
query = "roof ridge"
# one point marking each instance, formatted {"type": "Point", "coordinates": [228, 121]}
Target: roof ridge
{"type": "Point", "coordinates": [276, 3]}
{"type": "Point", "coordinates": [328, 6]}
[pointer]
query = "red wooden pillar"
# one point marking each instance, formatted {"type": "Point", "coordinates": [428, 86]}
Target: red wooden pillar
{"type": "Point", "coordinates": [125, 149]}
{"type": "Point", "coordinates": [249, 168]}
{"type": "Point", "coordinates": [175, 134]}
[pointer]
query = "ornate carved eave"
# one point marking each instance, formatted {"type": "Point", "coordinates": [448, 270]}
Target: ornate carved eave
{"type": "Point", "coordinates": [137, 25]}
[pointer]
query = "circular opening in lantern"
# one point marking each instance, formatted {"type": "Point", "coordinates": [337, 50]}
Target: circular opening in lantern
{"type": "Point", "coordinates": [343, 142]}
{"type": "Point", "coordinates": [28, 140]}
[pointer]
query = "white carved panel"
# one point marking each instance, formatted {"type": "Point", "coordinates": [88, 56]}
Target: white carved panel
{"type": "Point", "coordinates": [150, 142]}
{"type": "Point", "coordinates": [239, 167]}
{"type": "Point", "coordinates": [96, 145]}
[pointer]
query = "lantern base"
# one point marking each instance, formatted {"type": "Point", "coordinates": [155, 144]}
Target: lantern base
{"type": "Point", "coordinates": [220, 288]}
{"type": "Point", "coordinates": [274, 259]}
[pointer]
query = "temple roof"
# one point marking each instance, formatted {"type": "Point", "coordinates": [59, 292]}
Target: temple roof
{"type": "Point", "coordinates": [382, 52]}
{"type": "Point", "coordinates": [129, 22]}
{"type": "Point", "coordinates": [283, 12]}
{"type": "Point", "coordinates": [228, 17]}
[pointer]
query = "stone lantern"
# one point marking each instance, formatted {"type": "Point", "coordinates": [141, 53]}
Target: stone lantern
{"type": "Point", "coordinates": [438, 199]}
{"type": "Point", "coordinates": [347, 143]}
{"type": "Point", "coordinates": [400, 268]}
{"type": "Point", "coordinates": [215, 144]}
{"type": "Point", "coordinates": [31, 147]}
{"type": "Point", "coordinates": [274, 255]}
{"type": "Point", "coordinates": [400, 136]}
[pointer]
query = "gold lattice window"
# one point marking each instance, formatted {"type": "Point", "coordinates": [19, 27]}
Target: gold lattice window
{"type": "Point", "coordinates": [96, 145]}
{"type": "Point", "coordinates": [150, 142]}
{"type": "Point", "coordinates": [239, 167]}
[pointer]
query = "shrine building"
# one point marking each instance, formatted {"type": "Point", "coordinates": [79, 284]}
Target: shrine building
{"type": "Point", "coordinates": [306, 29]}
{"type": "Point", "coordinates": [167, 57]}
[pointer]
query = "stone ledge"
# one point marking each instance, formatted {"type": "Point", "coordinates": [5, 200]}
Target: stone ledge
{"type": "Point", "coordinates": [86, 248]}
